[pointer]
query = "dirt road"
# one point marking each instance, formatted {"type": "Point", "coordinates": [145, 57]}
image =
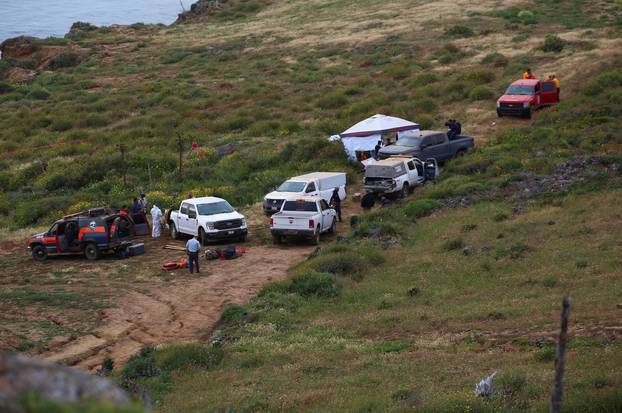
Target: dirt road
{"type": "Point", "coordinates": [120, 306]}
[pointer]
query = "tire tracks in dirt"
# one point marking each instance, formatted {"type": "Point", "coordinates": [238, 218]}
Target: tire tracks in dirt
{"type": "Point", "coordinates": [178, 311]}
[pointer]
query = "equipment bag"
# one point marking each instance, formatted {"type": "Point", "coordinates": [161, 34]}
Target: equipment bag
{"type": "Point", "coordinates": [212, 254]}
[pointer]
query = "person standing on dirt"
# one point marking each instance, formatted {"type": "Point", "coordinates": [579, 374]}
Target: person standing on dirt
{"type": "Point", "coordinates": [335, 201]}
{"type": "Point", "coordinates": [193, 247]}
{"type": "Point", "coordinates": [156, 216]}
{"type": "Point", "coordinates": [143, 202]}
{"type": "Point", "coordinates": [555, 81]}
{"type": "Point", "coordinates": [135, 206]}
{"type": "Point", "coordinates": [528, 74]}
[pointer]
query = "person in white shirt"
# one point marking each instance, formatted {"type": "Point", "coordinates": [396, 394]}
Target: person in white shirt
{"type": "Point", "coordinates": [156, 216]}
{"type": "Point", "coordinates": [193, 246]}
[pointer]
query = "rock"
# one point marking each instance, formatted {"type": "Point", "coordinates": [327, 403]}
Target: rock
{"type": "Point", "coordinates": [21, 376]}
{"type": "Point", "coordinates": [413, 291]}
{"type": "Point", "coordinates": [551, 222]}
{"type": "Point", "coordinates": [20, 75]}
{"type": "Point", "coordinates": [467, 250]}
{"type": "Point", "coordinates": [19, 47]}
{"type": "Point", "coordinates": [227, 149]}
{"type": "Point", "coordinates": [619, 306]}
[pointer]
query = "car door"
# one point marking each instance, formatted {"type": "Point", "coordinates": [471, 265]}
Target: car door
{"type": "Point", "coordinates": [327, 218]}
{"type": "Point", "coordinates": [548, 93]}
{"type": "Point", "coordinates": [413, 174]}
{"type": "Point", "coordinates": [182, 221]}
{"type": "Point", "coordinates": [193, 222]}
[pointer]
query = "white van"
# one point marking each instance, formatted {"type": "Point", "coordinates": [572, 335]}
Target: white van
{"type": "Point", "coordinates": [319, 184]}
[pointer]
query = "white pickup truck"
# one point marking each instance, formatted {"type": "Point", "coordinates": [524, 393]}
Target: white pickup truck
{"type": "Point", "coordinates": [398, 174]}
{"type": "Point", "coordinates": [210, 218]}
{"type": "Point", "coordinates": [303, 217]}
{"type": "Point", "coordinates": [316, 183]}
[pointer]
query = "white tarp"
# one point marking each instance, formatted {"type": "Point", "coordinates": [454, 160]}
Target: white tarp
{"type": "Point", "coordinates": [359, 143]}
{"type": "Point", "coordinates": [379, 124]}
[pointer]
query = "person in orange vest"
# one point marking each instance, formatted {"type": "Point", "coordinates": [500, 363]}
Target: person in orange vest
{"type": "Point", "coordinates": [555, 80]}
{"type": "Point", "coordinates": [528, 74]}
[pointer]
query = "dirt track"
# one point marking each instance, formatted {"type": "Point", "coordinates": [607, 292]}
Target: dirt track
{"type": "Point", "coordinates": [144, 304]}
{"type": "Point", "coordinates": [180, 310]}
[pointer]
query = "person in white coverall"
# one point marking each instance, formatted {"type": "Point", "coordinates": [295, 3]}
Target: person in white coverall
{"type": "Point", "coordinates": [156, 215]}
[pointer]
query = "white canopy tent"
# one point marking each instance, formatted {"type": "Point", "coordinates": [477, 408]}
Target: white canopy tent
{"type": "Point", "coordinates": [365, 135]}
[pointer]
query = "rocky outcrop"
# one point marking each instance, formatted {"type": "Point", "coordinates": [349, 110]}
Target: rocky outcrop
{"type": "Point", "coordinates": [21, 376]}
{"type": "Point", "coordinates": [202, 8]}
{"type": "Point", "coordinates": [19, 47]}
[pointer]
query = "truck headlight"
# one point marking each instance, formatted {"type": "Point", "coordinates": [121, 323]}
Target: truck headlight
{"type": "Point", "coordinates": [243, 222]}
{"type": "Point", "coordinates": [209, 226]}
{"type": "Point", "coordinates": [525, 105]}
{"type": "Point", "coordinates": [498, 104]}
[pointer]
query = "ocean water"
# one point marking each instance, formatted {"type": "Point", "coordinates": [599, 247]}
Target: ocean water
{"type": "Point", "coordinates": [44, 18]}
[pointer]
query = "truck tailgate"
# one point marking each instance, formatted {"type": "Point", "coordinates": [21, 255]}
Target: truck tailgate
{"type": "Point", "coordinates": [290, 222]}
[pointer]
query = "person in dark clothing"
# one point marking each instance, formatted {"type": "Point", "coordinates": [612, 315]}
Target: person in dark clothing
{"type": "Point", "coordinates": [458, 127]}
{"type": "Point", "coordinates": [136, 207]}
{"type": "Point", "coordinates": [452, 127]}
{"type": "Point", "coordinates": [368, 200]}
{"type": "Point", "coordinates": [377, 149]}
{"type": "Point", "coordinates": [335, 202]}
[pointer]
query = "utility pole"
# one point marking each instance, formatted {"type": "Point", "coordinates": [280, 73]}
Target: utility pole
{"type": "Point", "coordinates": [558, 388]}
{"type": "Point", "coordinates": [121, 148]}
{"type": "Point", "coordinates": [180, 147]}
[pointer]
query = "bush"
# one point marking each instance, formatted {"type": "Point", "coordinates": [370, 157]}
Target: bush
{"type": "Point", "coordinates": [5, 88]}
{"type": "Point", "coordinates": [233, 312]}
{"type": "Point", "coordinates": [553, 44]}
{"type": "Point", "coordinates": [192, 355]}
{"type": "Point", "coordinates": [139, 366]}
{"type": "Point", "coordinates": [340, 264]}
{"type": "Point", "coordinates": [481, 93]}
{"type": "Point", "coordinates": [460, 31]}
{"type": "Point", "coordinates": [64, 59]}
{"type": "Point", "coordinates": [421, 208]}
{"type": "Point", "coordinates": [495, 59]}
{"type": "Point", "coordinates": [452, 244]}
{"type": "Point", "coordinates": [426, 78]}
{"type": "Point", "coordinates": [39, 94]}
{"type": "Point", "coordinates": [332, 101]}
{"type": "Point", "coordinates": [546, 354]}
{"type": "Point", "coordinates": [61, 125]}
{"type": "Point", "coordinates": [314, 284]}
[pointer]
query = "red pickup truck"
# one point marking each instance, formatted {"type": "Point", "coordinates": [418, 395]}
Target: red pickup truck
{"type": "Point", "coordinates": [524, 96]}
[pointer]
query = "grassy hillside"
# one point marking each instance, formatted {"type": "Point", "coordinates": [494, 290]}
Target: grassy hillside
{"type": "Point", "coordinates": [422, 300]}
{"type": "Point", "coordinates": [264, 86]}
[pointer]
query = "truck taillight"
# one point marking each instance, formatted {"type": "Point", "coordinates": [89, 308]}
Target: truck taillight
{"type": "Point", "coordinates": [311, 224]}
{"type": "Point", "coordinates": [271, 221]}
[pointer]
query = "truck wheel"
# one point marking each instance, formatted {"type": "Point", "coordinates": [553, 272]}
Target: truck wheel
{"type": "Point", "coordinates": [202, 236]}
{"type": "Point", "coordinates": [405, 190]}
{"type": "Point", "coordinates": [460, 153]}
{"type": "Point", "coordinates": [316, 238]}
{"type": "Point", "coordinates": [529, 113]}
{"type": "Point", "coordinates": [174, 233]}
{"type": "Point", "coordinates": [276, 239]}
{"type": "Point", "coordinates": [243, 238]}
{"type": "Point", "coordinates": [333, 227]}
{"type": "Point", "coordinates": [91, 252]}
{"type": "Point", "coordinates": [39, 253]}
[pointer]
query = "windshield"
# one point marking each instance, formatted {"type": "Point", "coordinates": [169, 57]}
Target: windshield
{"type": "Point", "coordinates": [300, 206]}
{"type": "Point", "coordinates": [409, 141]}
{"type": "Point", "coordinates": [221, 207]}
{"type": "Point", "coordinates": [519, 90]}
{"type": "Point", "coordinates": [290, 186]}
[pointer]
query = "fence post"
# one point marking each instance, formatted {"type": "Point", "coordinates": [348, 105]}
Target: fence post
{"type": "Point", "coordinates": [558, 388]}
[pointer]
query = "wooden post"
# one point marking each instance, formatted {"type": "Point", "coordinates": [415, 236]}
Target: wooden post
{"type": "Point", "coordinates": [558, 389]}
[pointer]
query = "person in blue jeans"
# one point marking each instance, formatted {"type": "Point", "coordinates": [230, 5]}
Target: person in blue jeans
{"type": "Point", "coordinates": [193, 246]}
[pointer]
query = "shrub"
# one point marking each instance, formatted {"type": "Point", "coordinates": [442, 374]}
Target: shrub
{"type": "Point", "coordinates": [480, 76]}
{"type": "Point", "coordinates": [64, 59]}
{"type": "Point", "coordinates": [332, 101]}
{"type": "Point", "coordinates": [61, 125]}
{"type": "Point", "coordinates": [426, 78]}
{"type": "Point", "coordinates": [481, 93]}
{"type": "Point", "coordinates": [553, 44]}
{"type": "Point", "coordinates": [546, 353]}
{"type": "Point", "coordinates": [460, 31]}
{"type": "Point", "coordinates": [425, 122]}
{"type": "Point", "coordinates": [340, 264]}
{"type": "Point", "coordinates": [139, 366]}
{"type": "Point", "coordinates": [581, 264]}
{"type": "Point", "coordinates": [549, 281]}
{"type": "Point", "coordinates": [452, 244]}
{"type": "Point", "coordinates": [39, 94]}
{"type": "Point", "coordinates": [315, 284]}
{"type": "Point", "coordinates": [5, 88]}
{"type": "Point", "coordinates": [501, 216]}
{"type": "Point", "coordinates": [233, 312]}
{"type": "Point", "coordinates": [421, 208]}
{"type": "Point", "coordinates": [495, 59]}
{"type": "Point", "coordinates": [192, 355]}
{"type": "Point", "coordinates": [449, 53]}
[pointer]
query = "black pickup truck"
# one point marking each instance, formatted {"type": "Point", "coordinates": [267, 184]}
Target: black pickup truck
{"type": "Point", "coordinates": [430, 144]}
